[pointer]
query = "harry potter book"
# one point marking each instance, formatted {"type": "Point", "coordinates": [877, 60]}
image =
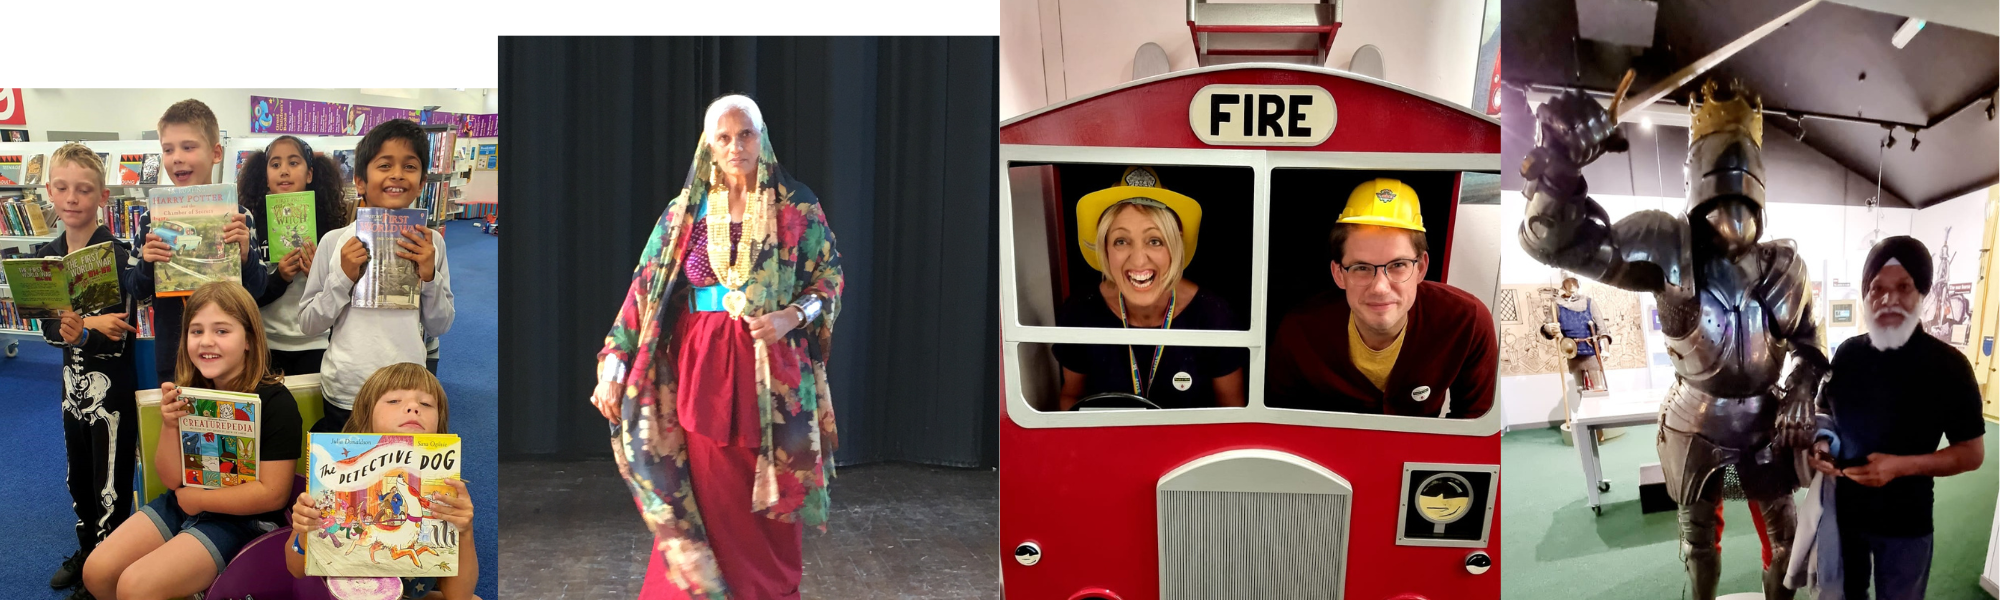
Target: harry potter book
{"type": "Point", "coordinates": [190, 219]}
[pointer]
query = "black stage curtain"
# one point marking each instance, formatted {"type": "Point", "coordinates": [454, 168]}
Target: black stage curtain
{"type": "Point", "coordinates": [898, 137]}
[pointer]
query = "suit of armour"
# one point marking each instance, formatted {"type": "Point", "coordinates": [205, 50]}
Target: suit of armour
{"type": "Point", "coordinates": [1736, 313]}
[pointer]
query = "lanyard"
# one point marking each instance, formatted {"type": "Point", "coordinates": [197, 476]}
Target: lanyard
{"type": "Point", "coordinates": [1173, 299]}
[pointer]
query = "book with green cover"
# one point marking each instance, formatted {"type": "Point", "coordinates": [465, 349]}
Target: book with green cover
{"type": "Point", "coordinates": [290, 222]}
{"type": "Point", "coordinates": [190, 219]}
{"type": "Point", "coordinates": [84, 282]}
{"type": "Point", "coordinates": [374, 495]}
{"type": "Point", "coordinates": [219, 438]}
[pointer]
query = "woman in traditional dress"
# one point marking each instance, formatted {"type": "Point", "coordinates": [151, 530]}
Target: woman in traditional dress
{"type": "Point", "coordinates": [714, 374]}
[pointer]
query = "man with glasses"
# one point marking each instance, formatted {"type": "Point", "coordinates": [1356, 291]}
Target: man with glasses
{"type": "Point", "coordinates": [1387, 342]}
{"type": "Point", "coordinates": [1894, 392]}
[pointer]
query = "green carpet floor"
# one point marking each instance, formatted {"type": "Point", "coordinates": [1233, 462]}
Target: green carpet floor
{"type": "Point", "coordinates": [1553, 546]}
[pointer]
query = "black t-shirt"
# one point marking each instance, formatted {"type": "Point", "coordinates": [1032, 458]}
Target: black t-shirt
{"type": "Point", "coordinates": [1897, 402]}
{"type": "Point", "coordinates": [1109, 368]}
{"type": "Point", "coordinates": [282, 437]}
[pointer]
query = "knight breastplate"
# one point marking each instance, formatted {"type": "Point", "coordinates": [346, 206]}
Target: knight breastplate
{"type": "Point", "coordinates": [1731, 351]}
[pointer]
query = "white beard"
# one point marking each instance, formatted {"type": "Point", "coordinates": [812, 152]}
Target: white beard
{"type": "Point", "coordinates": [1890, 338]}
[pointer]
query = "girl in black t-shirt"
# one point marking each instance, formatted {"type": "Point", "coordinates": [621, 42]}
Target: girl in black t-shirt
{"type": "Point", "coordinates": [223, 349]}
{"type": "Point", "coordinates": [1144, 238]}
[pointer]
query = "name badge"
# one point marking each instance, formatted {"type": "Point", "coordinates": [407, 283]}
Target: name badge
{"type": "Point", "coordinates": [1262, 115]}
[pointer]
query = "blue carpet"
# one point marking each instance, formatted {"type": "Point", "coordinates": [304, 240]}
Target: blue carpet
{"type": "Point", "coordinates": [39, 526]}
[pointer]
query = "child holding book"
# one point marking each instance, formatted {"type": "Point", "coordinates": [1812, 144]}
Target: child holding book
{"type": "Point", "coordinates": [390, 163]}
{"type": "Point", "coordinates": [402, 398]}
{"type": "Point", "coordinates": [190, 147]}
{"type": "Point", "coordinates": [100, 419]}
{"type": "Point", "coordinates": [189, 533]}
{"type": "Point", "coordinates": [289, 165]}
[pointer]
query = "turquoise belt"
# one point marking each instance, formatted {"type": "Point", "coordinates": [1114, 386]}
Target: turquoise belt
{"type": "Point", "coordinates": [707, 299]}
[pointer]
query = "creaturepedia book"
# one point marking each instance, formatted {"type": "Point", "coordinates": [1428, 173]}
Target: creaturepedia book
{"type": "Point", "coordinates": [191, 219]}
{"type": "Point", "coordinates": [387, 281]}
{"type": "Point", "coordinates": [290, 222]}
{"type": "Point", "coordinates": [85, 282]}
{"type": "Point", "coordinates": [374, 496]}
{"type": "Point", "coordinates": [219, 438]}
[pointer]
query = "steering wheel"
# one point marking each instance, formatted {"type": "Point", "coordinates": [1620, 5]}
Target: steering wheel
{"type": "Point", "coordinates": [1114, 400]}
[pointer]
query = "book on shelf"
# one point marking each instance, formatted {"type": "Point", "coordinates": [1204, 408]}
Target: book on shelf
{"type": "Point", "coordinates": [146, 320]}
{"type": "Point", "coordinates": [387, 281]}
{"type": "Point", "coordinates": [242, 155]}
{"type": "Point", "coordinates": [10, 318]}
{"type": "Point", "coordinates": [374, 496]}
{"type": "Point", "coordinates": [219, 438]}
{"type": "Point", "coordinates": [149, 172]}
{"type": "Point", "coordinates": [345, 159]}
{"type": "Point", "coordinates": [110, 168]}
{"type": "Point", "coordinates": [190, 219]}
{"type": "Point", "coordinates": [83, 282]}
{"type": "Point", "coordinates": [26, 215]}
{"type": "Point", "coordinates": [10, 169]}
{"type": "Point", "coordinates": [32, 168]}
{"type": "Point", "coordinates": [129, 166]}
{"type": "Point", "coordinates": [121, 215]}
{"type": "Point", "coordinates": [290, 223]}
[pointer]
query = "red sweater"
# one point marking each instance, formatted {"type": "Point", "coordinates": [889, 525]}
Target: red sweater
{"type": "Point", "coordinates": [1450, 344]}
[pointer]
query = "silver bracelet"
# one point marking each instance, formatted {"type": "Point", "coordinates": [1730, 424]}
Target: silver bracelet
{"type": "Point", "coordinates": [808, 308]}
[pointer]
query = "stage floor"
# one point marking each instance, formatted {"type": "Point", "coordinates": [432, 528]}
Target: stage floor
{"type": "Point", "coordinates": [897, 530]}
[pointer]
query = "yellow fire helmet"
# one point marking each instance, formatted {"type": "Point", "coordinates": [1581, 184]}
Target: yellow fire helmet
{"type": "Point", "coordinates": [1142, 184]}
{"type": "Point", "coordinates": [1385, 202]}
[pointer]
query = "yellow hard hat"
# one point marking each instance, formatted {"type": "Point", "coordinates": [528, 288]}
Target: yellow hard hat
{"type": "Point", "coordinates": [1139, 183]}
{"type": "Point", "coordinates": [1385, 202]}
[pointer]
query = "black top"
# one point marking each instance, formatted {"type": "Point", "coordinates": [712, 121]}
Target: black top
{"type": "Point", "coordinates": [1897, 402]}
{"type": "Point", "coordinates": [100, 370]}
{"type": "Point", "coordinates": [282, 439]}
{"type": "Point", "coordinates": [1109, 368]}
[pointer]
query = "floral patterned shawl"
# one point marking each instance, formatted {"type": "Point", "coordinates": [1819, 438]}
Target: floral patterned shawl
{"type": "Point", "coordinates": [796, 258]}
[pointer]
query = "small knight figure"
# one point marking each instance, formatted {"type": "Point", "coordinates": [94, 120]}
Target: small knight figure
{"type": "Point", "coordinates": [1737, 313]}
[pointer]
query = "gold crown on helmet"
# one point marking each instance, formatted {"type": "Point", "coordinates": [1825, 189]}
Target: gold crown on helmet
{"type": "Point", "coordinates": [1739, 110]}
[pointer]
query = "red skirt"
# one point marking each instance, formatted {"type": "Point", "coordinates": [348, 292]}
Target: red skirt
{"type": "Point", "coordinates": [716, 400]}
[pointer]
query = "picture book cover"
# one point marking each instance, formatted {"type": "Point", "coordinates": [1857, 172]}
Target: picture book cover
{"type": "Point", "coordinates": [86, 281]}
{"type": "Point", "coordinates": [128, 168]}
{"type": "Point", "coordinates": [149, 173]}
{"type": "Point", "coordinates": [191, 218]}
{"type": "Point", "coordinates": [290, 221]}
{"type": "Point", "coordinates": [10, 169]}
{"type": "Point", "coordinates": [373, 493]}
{"type": "Point", "coordinates": [388, 281]}
{"type": "Point", "coordinates": [219, 438]}
{"type": "Point", "coordinates": [31, 170]}
{"type": "Point", "coordinates": [110, 168]}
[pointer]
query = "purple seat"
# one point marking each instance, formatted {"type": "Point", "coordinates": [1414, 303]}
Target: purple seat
{"type": "Point", "coordinates": [259, 569]}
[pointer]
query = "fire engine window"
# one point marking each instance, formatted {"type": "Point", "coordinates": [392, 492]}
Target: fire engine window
{"type": "Point", "coordinates": [1152, 217]}
{"type": "Point", "coordinates": [1081, 377]}
{"type": "Point", "coordinates": [1370, 327]}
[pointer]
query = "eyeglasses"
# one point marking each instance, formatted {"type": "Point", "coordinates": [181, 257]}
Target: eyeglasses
{"type": "Point", "coordinates": [1398, 270]}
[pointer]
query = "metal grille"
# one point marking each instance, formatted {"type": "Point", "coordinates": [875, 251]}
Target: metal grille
{"type": "Point", "coordinates": [1506, 309]}
{"type": "Point", "coordinates": [1252, 545]}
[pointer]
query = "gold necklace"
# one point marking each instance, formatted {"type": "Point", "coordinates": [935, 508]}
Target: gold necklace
{"type": "Point", "coordinates": [733, 272]}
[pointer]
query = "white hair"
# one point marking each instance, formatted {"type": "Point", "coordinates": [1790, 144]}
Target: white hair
{"type": "Point", "coordinates": [722, 106]}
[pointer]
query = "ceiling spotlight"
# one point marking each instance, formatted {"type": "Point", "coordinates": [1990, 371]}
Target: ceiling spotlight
{"type": "Point", "coordinates": [1908, 30]}
{"type": "Point", "coordinates": [1914, 141]}
{"type": "Point", "coordinates": [1891, 142]}
{"type": "Point", "coordinates": [1646, 122]}
{"type": "Point", "coordinates": [1990, 101]}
